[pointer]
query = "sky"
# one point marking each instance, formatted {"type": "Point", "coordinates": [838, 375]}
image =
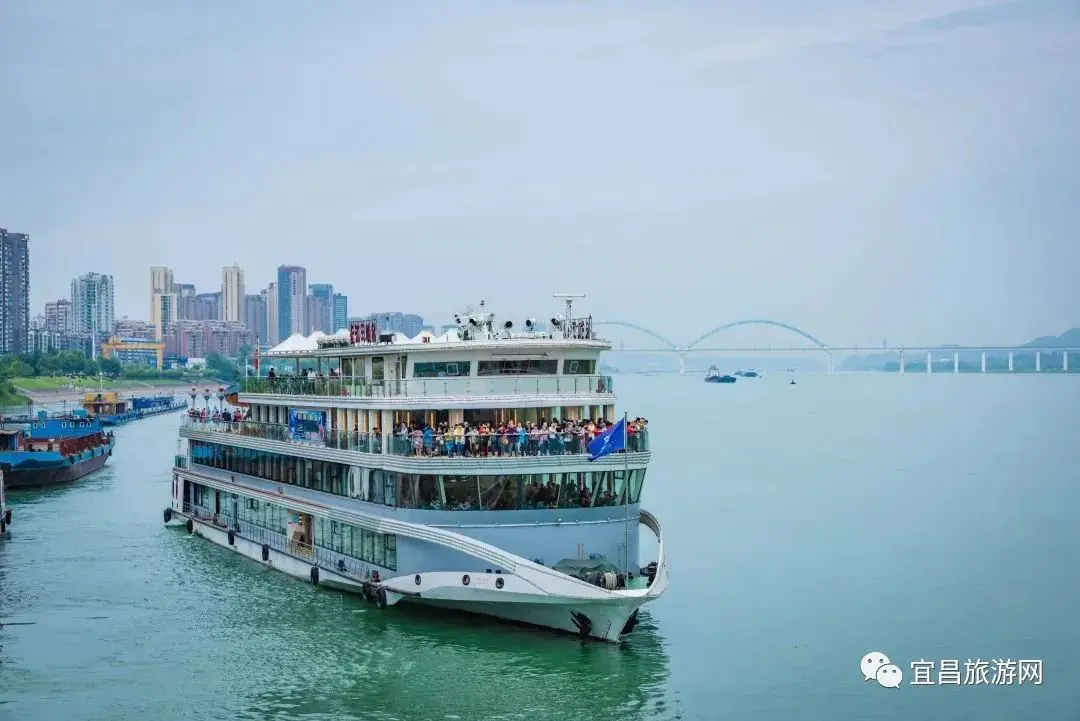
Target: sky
{"type": "Point", "coordinates": [861, 170]}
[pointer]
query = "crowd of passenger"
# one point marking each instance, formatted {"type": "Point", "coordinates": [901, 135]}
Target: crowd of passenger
{"type": "Point", "coordinates": [217, 415]}
{"type": "Point", "coordinates": [512, 438]}
{"type": "Point", "coordinates": [462, 439]}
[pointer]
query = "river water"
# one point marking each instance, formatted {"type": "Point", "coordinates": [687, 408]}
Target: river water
{"type": "Point", "coordinates": [923, 517]}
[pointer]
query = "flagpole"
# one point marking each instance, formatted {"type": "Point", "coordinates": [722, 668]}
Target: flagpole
{"type": "Point", "coordinates": [626, 492]}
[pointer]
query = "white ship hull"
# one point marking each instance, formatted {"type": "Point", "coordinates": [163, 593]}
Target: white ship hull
{"type": "Point", "coordinates": [543, 598]}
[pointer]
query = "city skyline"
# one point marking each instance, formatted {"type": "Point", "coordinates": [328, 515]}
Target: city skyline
{"type": "Point", "coordinates": [850, 168]}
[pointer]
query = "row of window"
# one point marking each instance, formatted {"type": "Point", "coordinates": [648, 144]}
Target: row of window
{"type": "Point", "coordinates": [577, 489]}
{"type": "Point", "coordinates": [455, 369]}
{"type": "Point", "coordinates": [362, 544]}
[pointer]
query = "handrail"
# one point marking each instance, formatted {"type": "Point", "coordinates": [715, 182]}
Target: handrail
{"type": "Point", "coordinates": [432, 387]}
{"type": "Point", "coordinates": [437, 445]}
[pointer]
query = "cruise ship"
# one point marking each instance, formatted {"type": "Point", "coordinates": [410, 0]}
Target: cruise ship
{"type": "Point", "coordinates": [468, 471]}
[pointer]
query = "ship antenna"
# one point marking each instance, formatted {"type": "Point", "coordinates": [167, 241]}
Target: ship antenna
{"type": "Point", "coordinates": [569, 298]}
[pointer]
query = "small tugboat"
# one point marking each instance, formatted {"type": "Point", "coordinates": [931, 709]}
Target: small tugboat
{"type": "Point", "coordinates": [715, 376]}
{"type": "Point", "coordinates": [747, 374]}
{"type": "Point", "coordinates": [48, 450]}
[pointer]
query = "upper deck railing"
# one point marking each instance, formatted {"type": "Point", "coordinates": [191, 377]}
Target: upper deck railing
{"type": "Point", "coordinates": [432, 387]}
{"type": "Point", "coordinates": [431, 445]}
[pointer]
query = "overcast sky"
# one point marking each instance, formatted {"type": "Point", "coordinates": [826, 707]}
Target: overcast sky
{"type": "Point", "coordinates": [863, 170]}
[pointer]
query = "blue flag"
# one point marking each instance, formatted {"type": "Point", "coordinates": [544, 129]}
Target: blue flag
{"type": "Point", "coordinates": [614, 439]}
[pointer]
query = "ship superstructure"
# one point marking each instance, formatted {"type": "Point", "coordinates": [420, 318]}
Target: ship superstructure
{"type": "Point", "coordinates": [451, 470]}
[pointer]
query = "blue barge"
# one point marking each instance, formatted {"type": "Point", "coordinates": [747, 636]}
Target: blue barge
{"type": "Point", "coordinates": [47, 450]}
{"type": "Point", "coordinates": [112, 410]}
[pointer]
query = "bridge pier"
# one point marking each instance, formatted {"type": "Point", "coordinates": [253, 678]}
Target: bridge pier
{"type": "Point", "coordinates": [1010, 361]}
{"type": "Point", "coordinates": [1065, 361]}
{"type": "Point", "coordinates": [983, 362]}
{"type": "Point", "coordinates": [829, 361]}
{"type": "Point", "coordinates": [929, 362]}
{"type": "Point", "coordinates": [1038, 361]}
{"type": "Point", "coordinates": [956, 362]}
{"type": "Point", "coordinates": [901, 360]}
{"type": "Point", "coordinates": [682, 363]}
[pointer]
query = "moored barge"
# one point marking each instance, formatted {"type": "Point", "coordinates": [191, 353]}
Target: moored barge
{"type": "Point", "coordinates": [45, 450]}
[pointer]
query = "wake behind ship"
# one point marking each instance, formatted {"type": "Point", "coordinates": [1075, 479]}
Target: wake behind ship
{"type": "Point", "coordinates": [44, 450]}
{"type": "Point", "coordinates": [485, 470]}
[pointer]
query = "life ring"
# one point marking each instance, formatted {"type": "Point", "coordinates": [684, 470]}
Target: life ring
{"type": "Point", "coordinates": [232, 538]}
{"type": "Point", "coordinates": [465, 580]}
{"type": "Point", "coordinates": [190, 526]}
{"type": "Point", "coordinates": [314, 575]}
{"type": "Point", "coordinates": [266, 552]}
{"type": "Point", "coordinates": [381, 596]}
{"type": "Point", "coordinates": [499, 582]}
{"type": "Point", "coordinates": [168, 515]}
{"type": "Point", "coordinates": [417, 579]}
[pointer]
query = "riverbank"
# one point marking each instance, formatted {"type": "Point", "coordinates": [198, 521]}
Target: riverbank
{"type": "Point", "coordinates": [51, 391]}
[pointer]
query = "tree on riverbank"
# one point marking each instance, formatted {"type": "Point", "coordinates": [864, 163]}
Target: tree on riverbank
{"type": "Point", "coordinates": [74, 364]}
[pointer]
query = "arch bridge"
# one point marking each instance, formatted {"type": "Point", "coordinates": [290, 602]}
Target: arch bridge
{"type": "Point", "coordinates": [681, 351]}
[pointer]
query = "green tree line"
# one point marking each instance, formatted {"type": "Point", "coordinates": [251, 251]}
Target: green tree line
{"type": "Point", "coordinates": [74, 363]}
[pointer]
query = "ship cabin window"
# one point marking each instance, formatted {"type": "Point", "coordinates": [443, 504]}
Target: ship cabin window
{"type": "Point", "coordinates": [422, 491]}
{"type": "Point", "coordinates": [265, 522]}
{"type": "Point", "coordinates": [582, 367]}
{"type": "Point", "coordinates": [378, 369]}
{"type": "Point", "coordinates": [442, 369]}
{"type": "Point", "coordinates": [535, 491]}
{"type": "Point", "coordinates": [534, 366]}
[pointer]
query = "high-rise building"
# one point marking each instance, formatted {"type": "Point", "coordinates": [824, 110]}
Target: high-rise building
{"type": "Point", "coordinates": [92, 306]}
{"type": "Point", "coordinates": [256, 315]}
{"type": "Point", "coordinates": [197, 338]}
{"type": "Point", "coordinates": [273, 319]}
{"type": "Point", "coordinates": [232, 293]}
{"type": "Point", "coordinates": [408, 324]}
{"type": "Point", "coordinates": [339, 312]}
{"type": "Point", "coordinates": [58, 316]}
{"type": "Point", "coordinates": [14, 292]}
{"type": "Point", "coordinates": [163, 306]}
{"type": "Point", "coordinates": [292, 301]}
{"type": "Point", "coordinates": [320, 308]}
{"type": "Point", "coordinates": [184, 290]}
{"type": "Point", "coordinates": [129, 329]}
{"type": "Point", "coordinates": [201, 306]}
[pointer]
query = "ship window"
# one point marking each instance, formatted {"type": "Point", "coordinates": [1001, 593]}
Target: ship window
{"type": "Point", "coordinates": [637, 482]}
{"type": "Point", "coordinates": [428, 493]}
{"type": "Point", "coordinates": [518, 367]}
{"type": "Point", "coordinates": [579, 367]}
{"type": "Point", "coordinates": [442, 370]}
{"type": "Point", "coordinates": [460, 492]}
{"type": "Point", "coordinates": [391, 551]}
{"type": "Point", "coordinates": [368, 549]}
{"type": "Point", "coordinates": [498, 493]}
{"type": "Point", "coordinates": [380, 550]}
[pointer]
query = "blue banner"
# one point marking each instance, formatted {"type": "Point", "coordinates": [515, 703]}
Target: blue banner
{"type": "Point", "coordinates": [307, 425]}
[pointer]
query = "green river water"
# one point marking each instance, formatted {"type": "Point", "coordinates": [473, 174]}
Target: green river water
{"type": "Point", "coordinates": [924, 517]}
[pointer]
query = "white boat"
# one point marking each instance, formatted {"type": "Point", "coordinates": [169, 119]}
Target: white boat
{"type": "Point", "coordinates": [491, 519]}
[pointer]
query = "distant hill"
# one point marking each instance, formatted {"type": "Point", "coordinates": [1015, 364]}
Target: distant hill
{"type": "Point", "coordinates": [1068, 339]}
{"type": "Point", "coordinates": [880, 361]}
